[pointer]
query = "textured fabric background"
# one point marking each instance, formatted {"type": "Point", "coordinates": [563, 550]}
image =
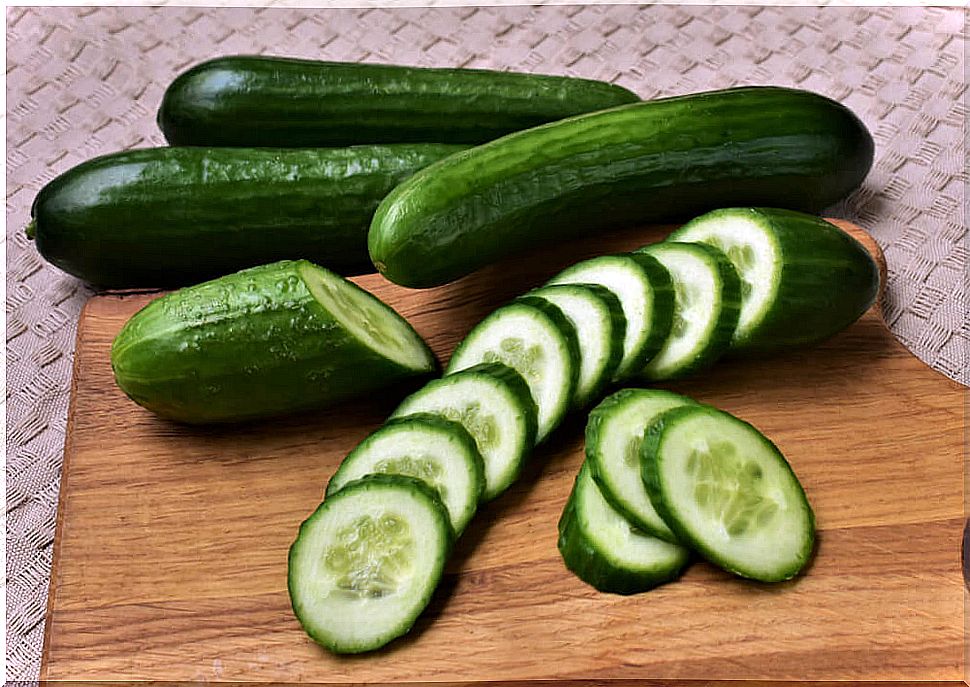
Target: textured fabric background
{"type": "Point", "coordinates": [87, 81]}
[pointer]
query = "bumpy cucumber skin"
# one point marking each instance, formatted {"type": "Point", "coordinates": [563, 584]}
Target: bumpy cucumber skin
{"type": "Point", "coordinates": [281, 102]}
{"type": "Point", "coordinates": [828, 280]}
{"type": "Point", "coordinates": [665, 159]}
{"type": "Point", "coordinates": [588, 563]}
{"type": "Point", "coordinates": [162, 217]}
{"type": "Point", "coordinates": [730, 308]}
{"type": "Point", "coordinates": [248, 345]}
{"type": "Point", "coordinates": [435, 423]}
{"type": "Point", "coordinates": [598, 416]}
{"type": "Point", "coordinates": [650, 452]}
{"type": "Point", "coordinates": [445, 541]}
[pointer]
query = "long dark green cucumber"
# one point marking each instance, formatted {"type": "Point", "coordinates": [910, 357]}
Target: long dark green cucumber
{"type": "Point", "coordinates": [265, 341]}
{"type": "Point", "coordinates": [173, 216]}
{"type": "Point", "coordinates": [273, 101]}
{"type": "Point", "coordinates": [660, 160]}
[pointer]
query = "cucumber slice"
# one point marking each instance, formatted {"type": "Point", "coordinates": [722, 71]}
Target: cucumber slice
{"type": "Point", "coordinates": [537, 341]}
{"type": "Point", "coordinates": [803, 279]}
{"type": "Point", "coordinates": [728, 492]}
{"type": "Point", "coordinates": [437, 451]}
{"type": "Point", "coordinates": [646, 296]}
{"type": "Point", "coordinates": [366, 562]}
{"type": "Point", "coordinates": [494, 404]}
{"type": "Point", "coordinates": [614, 434]}
{"type": "Point", "coordinates": [707, 300]}
{"type": "Point", "coordinates": [604, 550]}
{"type": "Point", "coordinates": [597, 317]}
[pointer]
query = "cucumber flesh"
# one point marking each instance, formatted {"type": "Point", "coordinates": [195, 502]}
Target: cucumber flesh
{"type": "Point", "coordinates": [365, 564]}
{"type": "Point", "coordinates": [437, 451]}
{"type": "Point", "coordinates": [538, 342]}
{"type": "Point", "coordinates": [645, 292]}
{"type": "Point", "coordinates": [597, 317]}
{"type": "Point", "coordinates": [707, 300]}
{"type": "Point", "coordinates": [604, 549]}
{"type": "Point", "coordinates": [614, 434]}
{"type": "Point", "coordinates": [493, 403]}
{"type": "Point", "coordinates": [728, 493]}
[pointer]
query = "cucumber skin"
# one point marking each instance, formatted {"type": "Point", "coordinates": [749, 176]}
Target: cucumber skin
{"type": "Point", "coordinates": [162, 217]}
{"type": "Point", "coordinates": [649, 452]}
{"type": "Point", "coordinates": [281, 102]}
{"type": "Point", "coordinates": [369, 482]}
{"type": "Point", "coordinates": [243, 347]}
{"type": "Point", "coordinates": [664, 160]}
{"type": "Point", "coordinates": [661, 313]}
{"type": "Point", "coordinates": [828, 281]}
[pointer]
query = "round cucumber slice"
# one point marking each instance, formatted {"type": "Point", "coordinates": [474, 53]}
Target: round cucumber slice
{"type": "Point", "coordinates": [646, 297]}
{"type": "Point", "coordinates": [366, 562]}
{"type": "Point", "coordinates": [437, 451]}
{"type": "Point", "coordinates": [728, 492]}
{"type": "Point", "coordinates": [538, 342]}
{"type": "Point", "coordinates": [494, 404]}
{"type": "Point", "coordinates": [604, 549]}
{"type": "Point", "coordinates": [597, 317]}
{"type": "Point", "coordinates": [802, 278]}
{"type": "Point", "coordinates": [614, 434]}
{"type": "Point", "coordinates": [707, 300]}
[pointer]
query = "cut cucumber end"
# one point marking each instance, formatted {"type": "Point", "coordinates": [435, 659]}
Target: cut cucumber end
{"type": "Point", "coordinates": [373, 322]}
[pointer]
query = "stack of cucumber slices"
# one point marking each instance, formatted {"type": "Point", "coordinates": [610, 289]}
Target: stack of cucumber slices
{"type": "Point", "coordinates": [663, 474]}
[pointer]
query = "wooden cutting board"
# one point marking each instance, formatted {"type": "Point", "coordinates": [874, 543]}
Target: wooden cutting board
{"type": "Point", "coordinates": [170, 555]}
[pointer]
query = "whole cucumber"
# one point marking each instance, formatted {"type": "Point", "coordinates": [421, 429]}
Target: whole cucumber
{"type": "Point", "coordinates": [274, 101]}
{"type": "Point", "coordinates": [660, 160]}
{"type": "Point", "coordinates": [265, 341]}
{"type": "Point", "coordinates": [173, 216]}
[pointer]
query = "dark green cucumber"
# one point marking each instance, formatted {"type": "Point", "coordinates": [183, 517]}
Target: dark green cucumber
{"type": "Point", "coordinates": [265, 341]}
{"type": "Point", "coordinates": [803, 279]}
{"type": "Point", "coordinates": [174, 216]}
{"type": "Point", "coordinates": [660, 160]}
{"type": "Point", "coordinates": [273, 101]}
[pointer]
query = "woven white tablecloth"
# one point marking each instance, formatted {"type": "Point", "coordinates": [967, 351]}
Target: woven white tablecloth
{"type": "Point", "coordinates": [87, 81]}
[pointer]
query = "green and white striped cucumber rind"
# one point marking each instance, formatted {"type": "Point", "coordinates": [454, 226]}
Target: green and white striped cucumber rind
{"type": "Point", "coordinates": [803, 279]}
{"type": "Point", "coordinates": [427, 447]}
{"type": "Point", "coordinates": [646, 296]}
{"type": "Point", "coordinates": [348, 622]}
{"type": "Point", "coordinates": [597, 317]}
{"type": "Point", "coordinates": [769, 552]}
{"type": "Point", "coordinates": [707, 300]}
{"type": "Point", "coordinates": [491, 388]}
{"type": "Point", "coordinates": [604, 549]}
{"type": "Point", "coordinates": [541, 331]}
{"type": "Point", "coordinates": [614, 434]}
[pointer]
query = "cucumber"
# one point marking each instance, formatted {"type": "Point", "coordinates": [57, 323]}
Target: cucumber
{"type": "Point", "coordinates": [645, 291]}
{"type": "Point", "coordinates": [273, 101]}
{"type": "Point", "coordinates": [494, 404]}
{"type": "Point", "coordinates": [365, 564]}
{"type": "Point", "coordinates": [437, 451]}
{"type": "Point", "coordinates": [265, 341]}
{"type": "Point", "coordinates": [645, 162]}
{"type": "Point", "coordinates": [614, 434]}
{"type": "Point", "coordinates": [707, 300]}
{"type": "Point", "coordinates": [597, 317]}
{"type": "Point", "coordinates": [604, 550]}
{"type": "Point", "coordinates": [728, 493]}
{"type": "Point", "coordinates": [803, 279]}
{"type": "Point", "coordinates": [538, 342]}
{"type": "Point", "coordinates": [163, 217]}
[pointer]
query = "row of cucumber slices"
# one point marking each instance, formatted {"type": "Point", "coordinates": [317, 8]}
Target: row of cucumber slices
{"type": "Point", "coordinates": [366, 562]}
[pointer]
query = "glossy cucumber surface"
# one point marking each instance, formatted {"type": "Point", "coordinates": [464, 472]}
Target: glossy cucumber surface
{"type": "Point", "coordinates": [274, 101]}
{"type": "Point", "coordinates": [652, 161]}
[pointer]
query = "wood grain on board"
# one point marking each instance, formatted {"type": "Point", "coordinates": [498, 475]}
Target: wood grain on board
{"type": "Point", "coordinates": [170, 557]}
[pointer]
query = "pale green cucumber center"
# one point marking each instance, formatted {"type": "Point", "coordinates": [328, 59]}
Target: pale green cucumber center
{"type": "Point", "coordinates": [371, 555]}
{"type": "Point", "coordinates": [520, 356]}
{"type": "Point", "coordinates": [372, 322]}
{"type": "Point", "coordinates": [424, 468]}
{"type": "Point", "coordinates": [479, 423]}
